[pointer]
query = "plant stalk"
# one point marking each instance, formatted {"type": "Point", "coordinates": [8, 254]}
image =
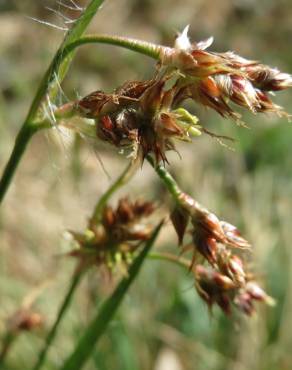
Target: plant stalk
{"type": "Point", "coordinates": [123, 179]}
{"type": "Point", "coordinates": [167, 179]}
{"type": "Point", "coordinates": [56, 72]}
{"type": "Point", "coordinates": [21, 141]}
{"type": "Point", "coordinates": [100, 322]}
{"type": "Point", "coordinates": [143, 47]}
{"type": "Point", "coordinates": [52, 333]}
{"type": "Point", "coordinates": [169, 257]}
{"type": "Point", "coordinates": [8, 340]}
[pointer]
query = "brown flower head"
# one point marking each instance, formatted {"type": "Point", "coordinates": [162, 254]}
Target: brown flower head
{"type": "Point", "coordinates": [208, 232]}
{"type": "Point", "coordinates": [214, 287]}
{"type": "Point", "coordinates": [215, 79]}
{"type": "Point", "coordinates": [141, 115]}
{"type": "Point", "coordinates": [217, 288]}
{"type": "Point", "coordinates": [228, 281]}
{"type": "Point", "coordinates": [112, 241]}
{"type": "Point", "coordinates": [251, 293]}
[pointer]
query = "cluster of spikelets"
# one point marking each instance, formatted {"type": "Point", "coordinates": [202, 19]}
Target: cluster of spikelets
{"type": "Point", "coordinates": [112, 241]}
{"type": "Point", "coordinates": [221, 275]}
{"type": "Point", "coordinates": [225, 280]}
{"type": "Point", "coordinates": [147, 115]}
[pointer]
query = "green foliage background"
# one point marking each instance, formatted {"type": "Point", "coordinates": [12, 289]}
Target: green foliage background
{"type": "Point", "coordinates": [162, 324]}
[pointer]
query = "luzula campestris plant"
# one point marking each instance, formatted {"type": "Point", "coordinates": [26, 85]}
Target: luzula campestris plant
{"type": "Point", "coordinates": [147, 117]}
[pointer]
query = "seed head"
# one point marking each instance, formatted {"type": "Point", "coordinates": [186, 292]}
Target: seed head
{"type": "Point", "coordinates": [214, 287]}
{"type": "Point", "coordinates": [214, 79]}
{"type": "Point", "coordinates": [112, 241]}
{"type": "Point", "coordinates": [245, 298]}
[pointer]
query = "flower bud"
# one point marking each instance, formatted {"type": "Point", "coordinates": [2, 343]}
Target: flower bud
{"type": "Point", "coordinates": [269, 79]}
{"type": "Point", "coordinates": [25, 320]}
{"type": "Point", "coordinates": [233, 236]}
{"type": "Point", "coordinates": [214, 287]}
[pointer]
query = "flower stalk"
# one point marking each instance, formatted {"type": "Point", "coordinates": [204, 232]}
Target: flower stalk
{"type": "Point", "coordinates": [75, 281]}
{"type": "Point", "coordinates": [21, 142]}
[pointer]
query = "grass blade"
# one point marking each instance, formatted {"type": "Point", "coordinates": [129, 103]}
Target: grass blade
{"type": "Point", "coordinates": [59, 65]}
{"type": "Point", "coordinates": [52, 333]}
{"type": "Point", "coordinates": [99, 324]}
{"type": "Point", "coordinates": [56, 72]}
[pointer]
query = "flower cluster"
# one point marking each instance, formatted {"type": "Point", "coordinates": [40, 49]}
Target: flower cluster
{"type": "Point", "coordinates": [216, 79]}
{"type": "Point", "coordinates": [111, 241]}
{"type": "Point", "coordinates": [226, 280]}
{"type": "Point", "coordinates": [140, 115]}
{"type": "Point", "coordinates": [147, 116]}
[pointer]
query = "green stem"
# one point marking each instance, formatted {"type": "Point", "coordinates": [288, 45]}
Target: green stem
{"type": "Point", "coordinates": [143, 47]}
{"type": "Point", "coordinates": [7, 343]}
{"type": "Point", "coordinates": [61, 61]}
{"type": "Point", "coordinates": [56, 72]}
{"type": "Point", "coordinates": [52, 333]}
{"type": "Point", "coordinates": [100, 322]}
{"type": "Point", "coordinates": [21, 141]}
{"type": "Point", "coordinates": [121, 180]}
{"type": "Point", "coordinates": [167, 179]}
{"type": "Point", "coordinates": [168, 257]}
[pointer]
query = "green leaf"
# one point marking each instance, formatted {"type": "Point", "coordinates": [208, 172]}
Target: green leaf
{"type": "Point", "coordinates": [97, 327]}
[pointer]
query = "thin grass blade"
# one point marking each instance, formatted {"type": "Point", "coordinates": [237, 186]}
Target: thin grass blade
{"type": "Point", "coordinates": [97, 327]}
{"type": "Point", "coordinates": [56, 72]}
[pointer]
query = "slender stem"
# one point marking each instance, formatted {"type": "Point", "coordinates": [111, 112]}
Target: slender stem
{"type": "Point", "coordinates": [61, 62]}
{"type": "Point", "coordinates": [21, 141]}
{"type": "Point", "coordinates": [121, 180]}
{"type": "Point", "coordinates": [143, 47]}
{"type": "Point", "coordinates": [55, 73]}
{"type": "Point", "coordinates": [105, 313]}
{"type": "Point", "coordinates": [52, 333]}
{"type": "Point", "coordinates": [7, 343]}
{"type": "Point", "coordinates": [168, 257]}
{"type": "Point", "coordinates": [167, 179]}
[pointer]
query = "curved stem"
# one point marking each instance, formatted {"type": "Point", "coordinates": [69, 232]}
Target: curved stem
{"type": "Point", "coordinates": [56, 72]}
{"type": "Point", "coordinates": [121, 180]}
{"type": "Point", "coordinates": [106, 311]}
{"type": "Point", "coordinates": [6, 346]}
{"type": "Point", "coordinates": [168, 257]}
{"type": "Point", "coordinates": [167, 179]}
{"type": "Point", "coordinates": [143, 47]}
{"type": "Point", "coordinates": [61, 62]}
{"type": "Point", "coordinates": [21, 141]}
{"type": "Point", "coordinates": [52, 333]}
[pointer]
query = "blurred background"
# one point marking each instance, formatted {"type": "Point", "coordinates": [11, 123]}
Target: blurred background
{"type": "Point", "coordinates": [162, 324]}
